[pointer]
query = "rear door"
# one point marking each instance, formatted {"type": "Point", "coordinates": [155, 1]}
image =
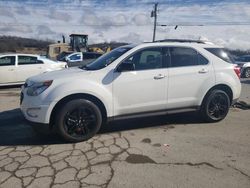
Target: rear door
{"type": "Point", "coordinates": [7, 69]}
{"type": "Point", "coordinates": [190, 75]}
{"type": "Point", "coordinates": [28, 66]}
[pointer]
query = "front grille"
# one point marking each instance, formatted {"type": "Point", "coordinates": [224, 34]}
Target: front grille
{"type": "Point", "coordinates": [21, 98]}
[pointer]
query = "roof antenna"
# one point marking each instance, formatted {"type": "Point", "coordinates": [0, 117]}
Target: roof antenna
{"type": "Point", "coordinates": [176, 27]}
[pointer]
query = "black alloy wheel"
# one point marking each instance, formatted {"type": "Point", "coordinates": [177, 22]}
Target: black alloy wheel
{"type": "Point", "coordinates": [215, 106]}
{"type": "Point", "coordinates": [78, 120]}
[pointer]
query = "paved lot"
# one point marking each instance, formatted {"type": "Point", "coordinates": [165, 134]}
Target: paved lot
{"type": "Point", "coordinates": [173, 151]}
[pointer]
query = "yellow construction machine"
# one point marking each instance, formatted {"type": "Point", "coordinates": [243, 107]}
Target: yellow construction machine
{"type": "Point", "coordinates": [78, 43]}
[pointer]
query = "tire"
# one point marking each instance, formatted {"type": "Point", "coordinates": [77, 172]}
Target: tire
{"type": "Point", "coordinates": [215, 106]}
{"type": "Point", "coordinates": [247, 73]}
{"type": "Point", "coordinates": [78, 120]}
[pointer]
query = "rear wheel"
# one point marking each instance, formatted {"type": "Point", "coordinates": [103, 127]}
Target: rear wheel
{"type": "Point", "coordinates": [78, 120]}
{"type": "Point", "coordinates": [247, 73]}
{"type": "Point", "coordinates": [215, 106]}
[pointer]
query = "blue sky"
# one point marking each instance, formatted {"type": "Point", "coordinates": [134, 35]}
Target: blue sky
{"type": "Point", "coordinates": [226, 22]}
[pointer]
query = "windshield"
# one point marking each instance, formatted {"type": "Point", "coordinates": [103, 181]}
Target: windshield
{"type": "Point", "coordinates": [222, 54]}
{"type": "Point", "coordinates": [106, 59]}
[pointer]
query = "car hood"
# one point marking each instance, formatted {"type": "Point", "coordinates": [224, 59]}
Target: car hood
{"type": "Point", "coordinates": [63, 74]}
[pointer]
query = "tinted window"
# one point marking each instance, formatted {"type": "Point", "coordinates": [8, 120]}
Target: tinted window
{"type": "Point", "coordinates": [186, 57]}
{"type": "Point", "coordinates": [89, 56]}
{"type": "Point", "coordinates": [183, 57]}
{"type": "Point", "coordinates": [8, 60]}
{"type": "Point", "coordinates": [27, 60]}
{"type": "Point", "coordinates": [147, 59]}
{"type": "Point", "coordinates": [221, 53]}
{"type": "Point", "coordinates": [166, 57]}
{"type": "Point", "coordinates": [107, 58]}
{"type": "Point", "coordinates": [75, 57]}
{"type": "Point", "coordinates": [243, 59]}
{"type": "Point", "coordinates": [202, 60]}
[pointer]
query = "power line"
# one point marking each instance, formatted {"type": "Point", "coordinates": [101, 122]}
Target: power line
{"type": "Point", "coordinates": [204, 24]}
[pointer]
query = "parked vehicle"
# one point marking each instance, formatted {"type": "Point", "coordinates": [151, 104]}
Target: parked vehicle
{"type": "Point", "coordinates": [62, 56]}
{"type": "Point", "coordinates": [81, 58]}
{"type": "Point", "coordinates": [78, 43]}
{"type": "Point", "coordinates": [244, 63]}
{"type": "Point", "coordinates": [134, 81]}
{"type": "Point", "coordinates": [16, 68]}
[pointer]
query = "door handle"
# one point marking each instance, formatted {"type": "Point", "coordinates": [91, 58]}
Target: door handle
{"type": "Point", "coordinates": [39, 67]}
{"type": "Point", "coordinates": [11, 70]}
{"type": "Point", "coordinates": [159, 76]}
{"type": "Point", "coordinates": [202, 71]}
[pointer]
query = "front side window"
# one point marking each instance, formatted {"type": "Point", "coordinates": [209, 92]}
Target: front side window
{"type": "Point", "coordinates": [27, 60]}
{"type": "Point", "coordinates": [150, 58]}
{"type": "Point", "coordinates": [182, 57]}
{"type": "Point", "coordinates": [7, 60]}
{"type": "Point", "coordinates": [75, 57]}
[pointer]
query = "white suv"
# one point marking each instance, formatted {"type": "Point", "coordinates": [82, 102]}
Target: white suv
{"type": "Point", "coordinates": [134, 81]}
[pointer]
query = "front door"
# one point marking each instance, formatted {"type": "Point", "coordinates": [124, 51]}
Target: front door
{"type": "Point", "coordinates": [143, 89]}
{"type": "Point", "coordinates": [7, 69]}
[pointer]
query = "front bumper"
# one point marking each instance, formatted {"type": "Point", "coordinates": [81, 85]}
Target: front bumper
{"type": "Point", "coordinates": [34, 109]}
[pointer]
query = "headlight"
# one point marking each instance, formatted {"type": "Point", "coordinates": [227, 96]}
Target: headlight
{"type": "Point", "coordinates": [38, 88]}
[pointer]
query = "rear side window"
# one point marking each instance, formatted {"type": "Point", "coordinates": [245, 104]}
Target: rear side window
{"type": "Point", "coordinates": [181, 57]}
{"type": "Point", "coordinates": [202, 60]}
{"type": "Point", "coordinates": [221, 53]}
{"type": "Point", "coordinates": [27, 60]}
{"type": "Point", "coordinates": [7, 60]}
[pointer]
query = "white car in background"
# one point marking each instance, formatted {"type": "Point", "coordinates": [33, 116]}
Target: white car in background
{"type": "Point", "coordinates": [244, 63]}
{"type": "Point", "coordinates": [16, 68]}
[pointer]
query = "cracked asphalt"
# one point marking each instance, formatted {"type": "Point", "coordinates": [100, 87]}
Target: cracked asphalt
{"type": "Point", "coordinates": [163, 151]}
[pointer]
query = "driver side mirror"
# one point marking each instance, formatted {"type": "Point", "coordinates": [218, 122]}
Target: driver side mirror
{"type": "Point", "coordinates": [127, 65]}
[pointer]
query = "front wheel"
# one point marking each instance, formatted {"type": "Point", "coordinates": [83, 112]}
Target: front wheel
{"type": "Point", "coordinates": [215, 106]}
{"type": "Point", "coordinates": [78, 120]}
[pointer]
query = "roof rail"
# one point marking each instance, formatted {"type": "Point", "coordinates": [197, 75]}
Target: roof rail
{"type": "Point", "coordinates": [182, 40]}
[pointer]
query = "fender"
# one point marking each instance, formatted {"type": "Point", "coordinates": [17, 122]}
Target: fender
{"type": "Point", "coordinates": [95, 89]}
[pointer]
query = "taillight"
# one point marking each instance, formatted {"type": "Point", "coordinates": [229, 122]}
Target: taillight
{"type": "Point", "coordinates": [237, 71]}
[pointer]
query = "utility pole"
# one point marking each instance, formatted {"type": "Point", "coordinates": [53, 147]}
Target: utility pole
{"type": "Point", "coordinates": [154, 15]}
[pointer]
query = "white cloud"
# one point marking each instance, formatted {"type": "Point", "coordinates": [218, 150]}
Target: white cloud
{"type": "Point", "coordinates": [127, 21]}
{"type": "Point", "coordinates": [59, 15]}
{"type": "Point", "coordinates": [141, 19]}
